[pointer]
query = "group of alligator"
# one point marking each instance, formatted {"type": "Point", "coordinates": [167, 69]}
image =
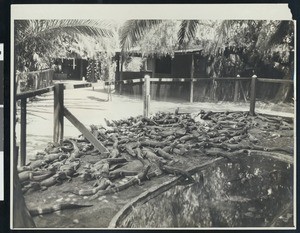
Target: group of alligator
{"type": "Point", "coordinates": [160, 144]}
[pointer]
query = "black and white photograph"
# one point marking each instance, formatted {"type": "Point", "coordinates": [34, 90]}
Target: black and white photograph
{"type": "Point", "coordinates": [152, 122]}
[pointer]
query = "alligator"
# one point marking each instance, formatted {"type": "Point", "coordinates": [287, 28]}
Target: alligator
{"type": "Point", "coordinates": [35, 175]}
{"type": "Point", "coordinates": [175, 171]}
{"type": "Point", "coordinates": [76, 153]}
{"type": "Point", "coordinates": [63, 206]}
{"type": "Point", "coordinates": [104, 183]}
{"type": "Point", "coordinates": [134, 180]}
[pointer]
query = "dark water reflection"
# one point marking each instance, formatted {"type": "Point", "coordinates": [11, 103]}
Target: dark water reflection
{"type": "Point", "coordinates": [251, 191]}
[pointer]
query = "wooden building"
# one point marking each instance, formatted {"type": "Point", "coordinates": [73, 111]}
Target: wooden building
{"type": "Point", "coordinates": [70, 69]}
{"type": "Point", "coordinates": [186, 64]}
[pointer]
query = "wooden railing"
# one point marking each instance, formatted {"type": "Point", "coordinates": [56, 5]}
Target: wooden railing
{"type": "Point", "coordinates": [59, 112]}
{"type": "Point", "coordinates": [37, 80]}
{"type": "Point", "coordinates": [23, 97]}
{"type": "Point", "coordinates": [237, 80]}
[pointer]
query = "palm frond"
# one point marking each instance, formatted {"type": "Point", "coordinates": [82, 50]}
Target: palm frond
{"type": "Point", "coordinates": [281, 31]}
{"type": "Point", "coordinates": [221, 35]}
{"type": "Point", "coordinates": [133, 30]}
{"type": "Point", "coordinates": [187, 30]}
{"type": "Point", "coordinates": [30, 29]}
{"type": "Point", "coordinates": [272, 33]}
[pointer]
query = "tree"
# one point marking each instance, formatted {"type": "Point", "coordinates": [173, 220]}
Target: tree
{"type": "Point", "coordinates": [278, 50]}
{"type": "Point", "coordinates": [35, 42]}
{"type": "Point", "coordinates": [133, 30]}
{"type": "Point", "coordinates": [231, 46]}
{"type": "Point", "coordinates": [243, 36]}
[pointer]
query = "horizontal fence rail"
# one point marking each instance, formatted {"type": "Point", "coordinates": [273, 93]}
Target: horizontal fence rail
{"type": "Point", "coordinates": [247, 88]}
{"type": "Point", "coordinates": [269, 80]}
{"type": "Point", "coordinates": [212, 89]}
{"type": "Point", "coordinates": [35, 80]}
{"type": "Point", "coordinates": [59, 112]}
{"type": "Point", "coordinates": [29, 94]}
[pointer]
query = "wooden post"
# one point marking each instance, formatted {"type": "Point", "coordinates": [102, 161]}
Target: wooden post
{"type": "Point", "coordinates": [37, 83]}
{"type": "Point", "coordinates": [74, 64]}
{"type": "Point", "coordinates": [21, 215]}
{"type": "Point", "coordinates": [117, 73]}
{"type": "Point", "coordinates": [93, 63]}
{"type": "Point", "coordinates": [192, 83]}
{"type": "Point", "coordinates": [81, 69]}
{"type": "Point", "coordinates": [23, 132]}
{"type": "Point", "coordinates": [58, 129]}
{"type": "Point", "coordinates": [236, 89]}
{"type": "Point", "coordinates": [153, 67]}
{"type": "Point", "coordinates": [214, 89]}
{"type": "Point", "coordinates": [253, 95]}
{"type": "Point", "coordinates": [86, 133]}
{"type": "Point", "coordinates": [146, 95]}
{"type": "Point", "coordinates": [121, 76]}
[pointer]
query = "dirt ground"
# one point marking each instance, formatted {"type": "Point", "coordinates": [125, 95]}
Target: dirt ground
{"type": "Point", "coordinates": [90, 107]}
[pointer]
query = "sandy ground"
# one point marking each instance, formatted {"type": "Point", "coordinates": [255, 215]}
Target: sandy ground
{"type": "Point", "coordinates": [90, 106]}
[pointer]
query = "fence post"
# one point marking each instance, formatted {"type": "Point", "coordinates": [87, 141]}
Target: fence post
{"type": "Point", "coordinates": [23, 132]}
{"type": "Point", "coordinates": [121, 76]}
{"type": "Point", "coordinates": [146, 95]}
{"type": "Point", "coordinates": [37, 84]}
{"type": "Point", "coordinates": [192, 83]}
{"type": "Point", "coordinates": [253, 95]}
{"type": "Point", "coordinates": [236, 89]}
{"type": "Point", "coordinates": [58, 129]}
{"type": "Point", "coordinates": [214, 89]}
{"type": "Point", "coordinates": [192, 92]}
{"type": "Point", "coordinates": [153, 66]}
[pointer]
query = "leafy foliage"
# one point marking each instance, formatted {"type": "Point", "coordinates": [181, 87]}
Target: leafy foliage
{"type": "Point", "coordinates": [187, 30]}
{"type": "Point", "coordinates": [230, 45]}
{"type": "Point", "coordinates": [238, 45]}
{"type": "Point", "coordinates": [102, 67]}
{"type": "Point", "coordinates": [160, 41]}
{"type": "Point", "coordinates": [31, 29]}
{"type": "Point", "coordinates": [134, 30]}
{"type": "Point", "coordinates": [38, 41]}
{"type": "Point", "coordinates": [133, 64]}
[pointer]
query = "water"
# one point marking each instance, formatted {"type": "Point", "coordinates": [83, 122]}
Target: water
{"type": "Point", "coordinates": [249, 192]}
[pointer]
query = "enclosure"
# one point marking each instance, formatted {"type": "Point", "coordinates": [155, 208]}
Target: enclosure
{"type": "Point", "coordinates": [222, 178]}
{"type": "Point", "coordinates": [153, 124]}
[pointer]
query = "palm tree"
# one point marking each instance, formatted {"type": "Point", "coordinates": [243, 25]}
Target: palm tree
{"type": "Point", "coordinates": [133, 30]}
{"type": "Point", "coordinates": [31, 29]}
{"type": "Point", "coordinates": [39, 36]}
{"type": "Point", "coordinates": [45, 37]}
{"type": "Point", "coordinates": [259, 41]}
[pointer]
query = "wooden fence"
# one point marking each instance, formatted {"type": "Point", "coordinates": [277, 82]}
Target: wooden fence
{"type": "Point", "coordinates": [207, 89]}
{"type": "Point", "coordinates": [35, 80]}
{"type": "Point", "coordinates": [59, 111]}
{"type": "Point", "coordinates": [235, 85]}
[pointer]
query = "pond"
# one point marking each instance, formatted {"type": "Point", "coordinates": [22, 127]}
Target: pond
{"type": "Point", "coordinates": [253, 191]}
